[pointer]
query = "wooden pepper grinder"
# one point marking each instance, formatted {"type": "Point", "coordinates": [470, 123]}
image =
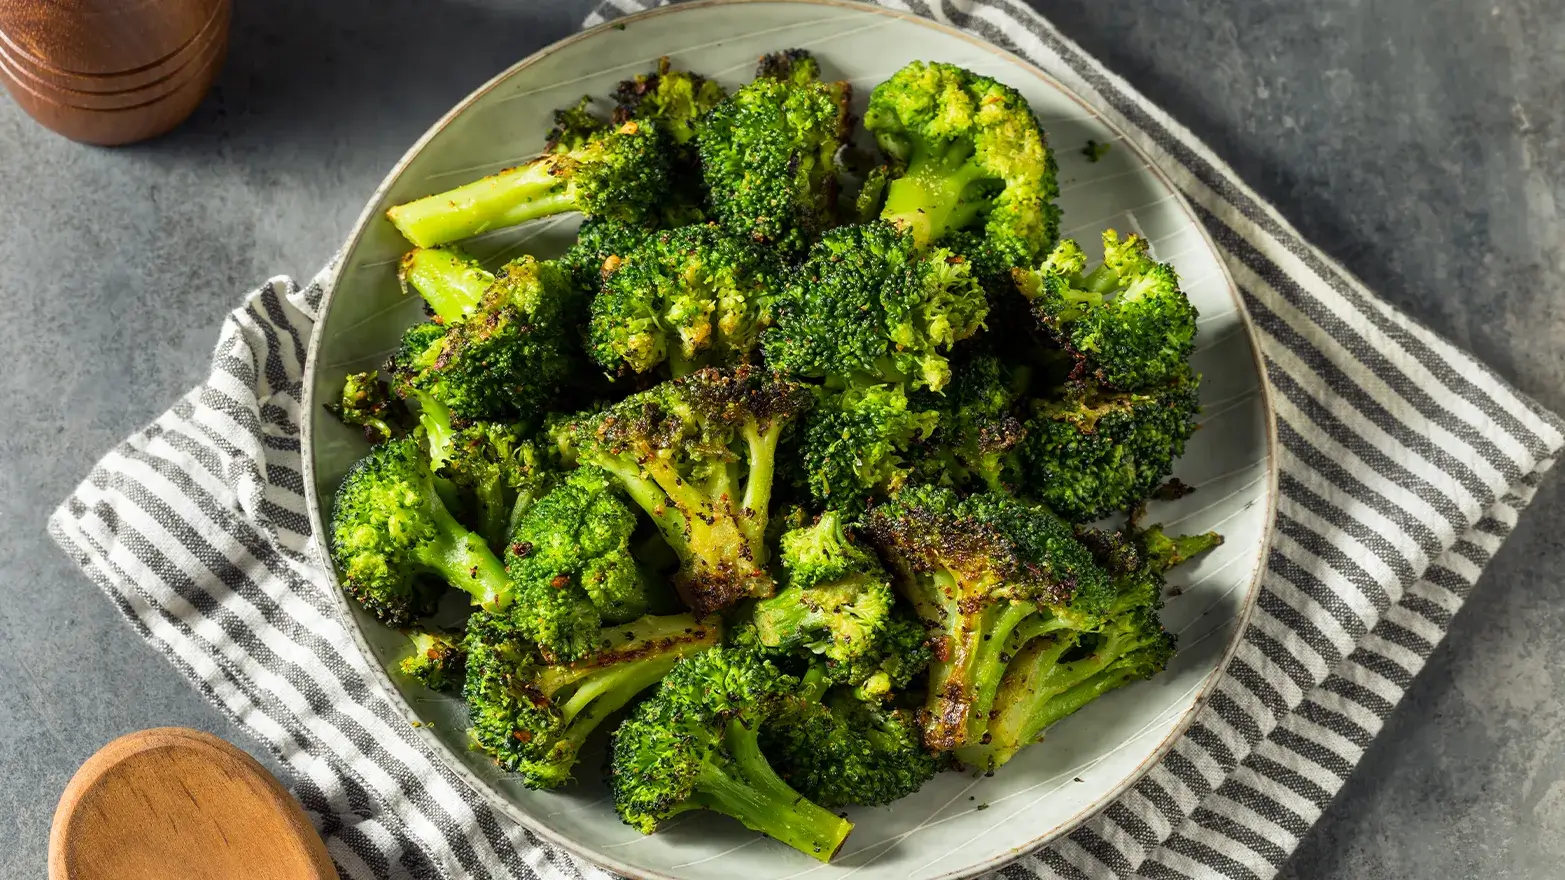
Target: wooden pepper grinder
{"type": "Point", "coordinates": [111, 71]}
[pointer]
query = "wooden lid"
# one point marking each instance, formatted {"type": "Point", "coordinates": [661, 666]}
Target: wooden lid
{"type": "Point", "coordinates": [179, 804]}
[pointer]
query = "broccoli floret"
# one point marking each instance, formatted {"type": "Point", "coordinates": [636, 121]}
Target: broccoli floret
{"type": "Point", "coordinates": [796, 66]}
{"type": "Point", "coordinates": [1094, 451]}
{"type": "Point", "coordinates": [871, 198]}
{"type": "Point", "coordinates": [688, 297]}
{"type": "Point", "coordinates": [836, 599]}
{"type": "Point", "coordinates": [389, 527]}
{"type": "Point", "coordinates": [533, 717]}
{"type": "Point", "coordinates": [575, 127]}
{"type": "Point", "coordinates": [1125, 324]}
{"type": "Point", "coordinates": [621, 173]}
{"type": "Point", "coordinates": [503, 470]}
{"type": "Point", "coordinates": [698, 455]}
{"type": "Point", "coordinates": [857, 445]}
{"type": "Point", "coordinates": [768, 155]}
{"type": "Point", "coordinates": [844, 751]}
{"type": "Point", "coordinates": [506, 361]}
{"type": "Point", "coordinates": [975, 570]}
{"type": "Point", "coordinates": [570, 563]}
{"type": "Point", "coordinates": [694, 745]}
{"type": "Point", "coordinates": [868, 306]}
{"type": "Point", "coordinates": [451, 282]}
{"type": "Point", "coordinates": [973, 165]}
{"type": "Point", "coordinates": [601, 245]}
{"type": "Point", "coordinates": [1052, 674]}
{"type": "Point", "coordinates": [367, 403]}
{"type": "Point", "coordinates": [437, 659]}
{"type": "Point", "coordinates": [979, 428]}
{"type": "Point", "coordinates": [675, 99]}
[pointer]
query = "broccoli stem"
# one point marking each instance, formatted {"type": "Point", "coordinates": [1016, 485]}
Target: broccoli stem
{"type": "Point", "coordinates": [990, 660]}
{"type": "Point", "coordinates": [752, 792]}
{"type": "Point", "coordinates": [758, 487]}
{"type": "Point", "coordinates": [539, 188]}
{"type": "Point", "coordinates": [464, 560]}
{"type": "Point", "coordinates": [449, 281]}
{"type": "Point", "coordinates": [932, 198]}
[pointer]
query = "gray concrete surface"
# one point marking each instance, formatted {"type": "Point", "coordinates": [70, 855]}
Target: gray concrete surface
{"type": "Point", "coordinates": [1421, 143]}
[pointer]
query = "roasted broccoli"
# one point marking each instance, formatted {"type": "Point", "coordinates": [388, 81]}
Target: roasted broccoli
{"type": "Point", "coordinates": [437, 659]}
{"type": "Point", "coordinates": [978, 427]}
{"type": "Point", "coordinates": [571, 568]}
{"type": "Point", "coordinates": [574, 127]}
{"type": "Point", "coordinates": [389, 528]}
{"type": "Point", "coordinates": [768, 155]}
{"type": "Point", "coordinates": [508, 358]}
{"type": "Point", "coordinates": [860, 444]}
{"type": "Point", "coordinates": [698, 455]}
{"type": "Point", "coordinates": [532, 716]}
{"type": "Point", "coordinates": [971, 166]}
{"type": "Point", "coordinates": [451, 282]}
{"type": "Point", "coordinates": [503, 471]}
{"type": "Point", "coordinates": [977, 569]}
{"type": "Point", "coordinates": [1052, 674]}
{"type": "Point", "coordinates": [689, 297]}
{"type": "Point", "coordinates": [675, 99]}
{"type": "Point", "coordinates": [694, 745]}
{"type": "Point", "coordinates": [869, 306]}
{"type": "Point", "coordinates": [838, 750]}
{"type": "Point", "coordinates": [601, 245]}
{"type": "Point", "coordinates": [1092, 452]}
{"type": "Point", "coordinates": [1125, 324]}
{"type": "Point", "coordinates": [368, 404]}
{"type": "Point", "coordinates": [621, 173]}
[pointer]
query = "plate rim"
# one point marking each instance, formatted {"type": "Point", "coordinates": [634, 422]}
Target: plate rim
{"type": "Point", "coordinates": [381, 676]}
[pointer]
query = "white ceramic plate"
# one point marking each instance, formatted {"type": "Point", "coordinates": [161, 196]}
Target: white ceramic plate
{"type": "Point", "coordinates": [957, 826]}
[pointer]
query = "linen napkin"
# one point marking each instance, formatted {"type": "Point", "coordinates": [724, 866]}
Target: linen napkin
{"type": "Point", "coordinates": [1405, 463]}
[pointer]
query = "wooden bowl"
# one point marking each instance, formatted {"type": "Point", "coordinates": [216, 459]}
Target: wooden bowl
{"type": "Point", "coordinates": [106, 72]}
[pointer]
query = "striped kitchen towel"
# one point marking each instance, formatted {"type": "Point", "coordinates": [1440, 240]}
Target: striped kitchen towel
{"type": "Point", "coordinates": [1405, 463]}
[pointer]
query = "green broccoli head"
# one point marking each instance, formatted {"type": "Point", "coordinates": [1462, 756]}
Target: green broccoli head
{"type": "Point", "coordinates": [621, 173]}
{"type": "Point", "coordinates": [845, 751]}
{"type": "Point", "coordinates": [1125, 324]}
{"type": "Point", "coordinates": [975, 570]}
{"type": "Point", "coordinates": [532, 717]}
{"type": "Point", "coordinates": [698, 455]}
{"type": "Point", "coordinates": [859, 444]}
{"type": "Point", "coordinates": [974, 165]}
{"type": "Point", "coordinates": [1095, 451]}
{"type": "Point", "coordinates": [575, 127]}
{"type": "Point", "coordinates": [510, 356]}
{"type": "Point", "coordinates": [601, 245]}
{"type": "Point", "coordinates": [368, 404]}
{"type": "Point", "coordinates": [795, 66]}
{"type": "Point", "coordinates": [978, 428]}
{"type": "Point", "coordinates": [687, 297]}
{"type": "Point", "coordinates": [675, 99]}
{"type": "Point", "coordinates": [436, 660]}
{"type": "Point", "coordinates": [836, 600]}
{"type": "Point", "coordinates": [694, 745]}
{"type": "Point", "coordinates": [768, 155]}
{"type": "Point", "coordinates": [571, 565]}
{"type": "Point", "coordinates": [389, 530]}
{"type": "Point", "coordinates": [869, 306]}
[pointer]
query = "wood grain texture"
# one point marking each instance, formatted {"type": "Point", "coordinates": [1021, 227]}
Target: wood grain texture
{"type": "Point", "coordinates": [108, 72]}
{"type": "Point", "coordinates": [179, 804]}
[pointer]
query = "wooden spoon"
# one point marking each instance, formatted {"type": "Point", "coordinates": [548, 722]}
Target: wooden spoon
{"type": "Point", "coordinates": [179, 804]}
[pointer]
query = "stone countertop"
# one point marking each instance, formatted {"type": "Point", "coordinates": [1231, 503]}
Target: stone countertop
{"type": "Point", "coordinates": [1423, 145]}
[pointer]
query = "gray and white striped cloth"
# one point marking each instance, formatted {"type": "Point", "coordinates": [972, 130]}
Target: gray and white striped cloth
{"type": "Point", "coordinates": [1405, 464]}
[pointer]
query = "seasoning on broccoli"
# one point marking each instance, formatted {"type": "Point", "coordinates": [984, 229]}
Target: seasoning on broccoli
{"type": "Point", "coordinates": [436, 660]}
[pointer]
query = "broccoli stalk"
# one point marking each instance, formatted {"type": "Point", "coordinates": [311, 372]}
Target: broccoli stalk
{"type": "Point", "coordinates": [621, 173]}
{"type": "Point", "coordinates": [698, 455]}
{"type": "Point", "coordinates": [450, 282]}
{"type": "Point", "coordinates": [389, 526]}
{"type": "Point", "coordinates": [694, 744]}
{"type": "Point", "coordinates": [532, 717]}
{"type": "Point", "coordinates": [975, 166]}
